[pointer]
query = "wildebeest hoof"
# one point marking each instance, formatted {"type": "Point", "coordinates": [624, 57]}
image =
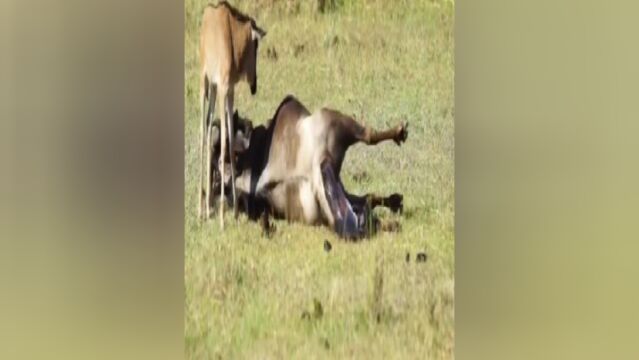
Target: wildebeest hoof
{"type": "Point", "coordinates": [327, 246]}
{"type": "Point", "coordinates": [396, 203]}
{"type": "Point", "coordinates": [268, 231]}
{"type": "Point", "coordinates": [402, 134]}
{"type": "Point", "coordinates": [421, 257]}
{"type": "Point", "coordinates": [267, 228]}
{"type": "Point", "coordinates": [407, 257]}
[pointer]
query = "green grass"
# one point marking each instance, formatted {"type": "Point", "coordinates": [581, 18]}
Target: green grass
{"type": "Point", "coordinates": [385, 61]}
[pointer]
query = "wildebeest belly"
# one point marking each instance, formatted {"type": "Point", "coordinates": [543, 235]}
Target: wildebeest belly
{"type": "Point", "coordinates": [295, 200]}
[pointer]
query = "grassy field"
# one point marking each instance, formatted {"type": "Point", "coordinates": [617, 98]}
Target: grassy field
{"type": "Point", "coordinates": [252, 297]}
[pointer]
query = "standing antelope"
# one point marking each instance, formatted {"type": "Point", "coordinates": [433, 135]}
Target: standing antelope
{"type": "Point", "coordinates": [228, 54]}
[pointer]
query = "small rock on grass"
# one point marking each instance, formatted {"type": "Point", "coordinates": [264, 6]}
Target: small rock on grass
{"type": "Point", "coordinates": [316, 314]}
{"type": "Point", "coordinates": [327, 246]}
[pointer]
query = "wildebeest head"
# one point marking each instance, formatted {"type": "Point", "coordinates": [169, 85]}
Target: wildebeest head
{"type": "Point", "coordinates": [243, 130]}
{"type": "Point", "coordinates": [250, 65]}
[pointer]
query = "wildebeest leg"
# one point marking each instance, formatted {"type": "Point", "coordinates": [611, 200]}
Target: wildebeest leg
{"type": "Point", "coordinates": [265, 223]}
{"type": "Point", "coordinates": [346, 222]}
{"type": "Point", "coordinates": [231, 135]}
{"type": "Point", "coordinates": [223, 89]}
{"type": "Point", "coordinates": [210, 144]}
{"type": "Point", "coordinates": [394, 201]}
{"type": "Point", "coordinates": [370, 136]}
{"type": "Point", "coordinates": [398, 134]}
{"type": "Point", "coordinates": [363, 206]}
{"type": "Point", "coordinates": [203, 134]}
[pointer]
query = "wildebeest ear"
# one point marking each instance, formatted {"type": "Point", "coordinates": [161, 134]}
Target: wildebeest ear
{"type": "Point", "coordinates": [242, 141]}
{"type": "Point", "coordinates": [257, 33]}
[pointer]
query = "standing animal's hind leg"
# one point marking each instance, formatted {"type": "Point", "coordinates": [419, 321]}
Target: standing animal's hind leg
{"type": "Point", "coordinates": [231, 135]}
{"type": "Point", "coordinates": [223, 89]}
{"type": "Point", "coordinates": [209, 148]}
{"type": "Point", "coordinates": [203, 125]}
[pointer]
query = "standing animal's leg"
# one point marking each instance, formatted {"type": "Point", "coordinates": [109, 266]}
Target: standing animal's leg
{"type": "Point", "coordinates": [209, 147]}
{"type": "Point", "coordinates": [203, 117]}
{"type": "Point", "coordinates": [231, 134]}
{"type": "Point", "coordinates": [223, 92]}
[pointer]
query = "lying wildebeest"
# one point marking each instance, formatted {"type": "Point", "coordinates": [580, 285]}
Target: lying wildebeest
{"type": "Point", "coordinates": [291, 168]}
{"type": "Point", "coordinates": [228, 54]}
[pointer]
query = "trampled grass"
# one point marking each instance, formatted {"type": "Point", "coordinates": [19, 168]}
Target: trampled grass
{"type": "Point", "coordinates": [252, 297]}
